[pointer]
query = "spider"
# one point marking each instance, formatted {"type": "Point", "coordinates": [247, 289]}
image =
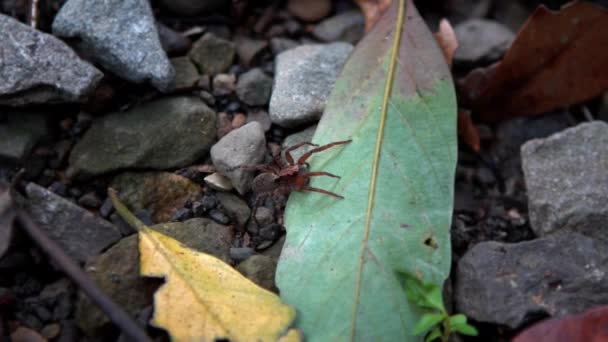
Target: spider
{"type": "Point", "coordinates": [280, 178]}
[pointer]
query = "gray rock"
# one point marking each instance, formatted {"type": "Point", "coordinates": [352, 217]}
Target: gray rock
{"type": "Point", "coordinates": [244, 145]}
{"type": "Point", "coordinates": [241, 253]}
{"type": "Point", "coordinates": [296, 138]}
{"type": "Point", "coordinates": [224, 84]}
{"type": "Point", "coordinates": [19, 132]}
{"type": "Point", "coordinates": [260, 116]}
{"type": "Point", "coordinates": [481, 40]}
{"type": "Point", "coordinates": [173, 42]}
{"type": "Point", "coordinates": [557, 275]}
{"type": "Point", "coordinates": [264, 216]}
{"type": "Point", "coordinates": [219, 182]}
{"type": "Point", "coordinates": [567, 180]}
{"type": "Point", "coordinates": [116, 272]}
{"type": "Point", "coordinates": [121, 36]}
{"type": "Point", "coordinates": [39, 68]}
{"type": "Point", "coordinates": [235, 207]}
{"type": "Point", "coordinates": [249, 49]}
{"type": "Point", "coordinates": [212, 54]}
{"type": "Point", "coordinates": [280, 44]}
{"type": "Point", "coordinates": [304, 77]}
{"type": "Point", "coordinates": [186, 74]}
{"type": "Point", "coordinates": [260, 269]}
{"type": "Point", "coordinates": [82, 234]}
{"type": "Point", "coordinates": [219, 216]}
{"type": "Point", "coordinates": [168, 133]}
{"type": "Point", "coordinates": [201, 234]}
{"type": "Point", "coordinates": [254, 87]}
{"type": "Point", "coordinates": [347, 26]}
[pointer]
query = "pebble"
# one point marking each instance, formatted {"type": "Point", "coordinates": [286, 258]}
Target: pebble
{"type": "Point", "coordinates": [264, 216]}
{"type": "Point", "coordinates": [219, 182]}
{"type": "Point", "coordinates": [245, 145]}
{"type": "Point", "coordinates": [280, 44]}
{"type": "Point", "coordinates": [240, 253]}
{"type": "Point", "coordinates": [89, 200]}
{"type": "Point", "coordinates": [173, 42]}
{"type": "Point", "coordinates": [254, 87]}
{"type": "Point", "coordinates": [51, 331]}
{"type": "Point", "coordinates": [270, 232]}
{"type": "Point", "coordinates": [186, 74]}
{"type": "Point", "coordinates": [82, 234]}
{"type": "Point", "coordinates": [219, 217]}
{"type": "Point", "coordinates": [567, 181]}
{"type": "Point", "coordinates": [481, 40]}
{"type": "Point", "coordinates": [309, 10]}
{"type": "Point", "coordinates": [128, 45]}
{"type": "Point", "coordinates": [304, 78]}
{"type": "Point", "coordinates": [235, 207]}
{"type": "Point", "coordinates": [212, 54]}
{"type": "Point", "coordinates": [162, 134]}
{"type": "Point", "coordinates": [260, 269]}
{"type": "Point", "coordinates": [556, 275]}
{"type": "Point", "coordinates": [348, 26]}
{"type": "Point", "coordinates": [249, 49]}
{"type": "Point", "coordinates": [239, 120]}
{"type": "Point", "coordinates": [224, 84]}
{"type": "Point", "coordinates": [107, 208]}
{"type": "Point", "coordinates": [260, 116]}
{"type": "Point", "coordinates": [20, 132]}
{"type": "Point", "coordinates": [191, 8]}
{"type": "Point", "coordinates": [39, 68]}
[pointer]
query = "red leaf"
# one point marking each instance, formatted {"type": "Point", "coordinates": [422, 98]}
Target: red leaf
{"type": "Point", "coordinates": [557, 59]}
{"type": "Point", "coordinates": [589, 326]}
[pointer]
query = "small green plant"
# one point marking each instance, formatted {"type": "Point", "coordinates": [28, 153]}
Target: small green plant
{"type": "Point", "coordinates": [436, 323]}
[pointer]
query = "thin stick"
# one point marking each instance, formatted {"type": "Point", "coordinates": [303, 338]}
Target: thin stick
{"type": "Point", "coordinates": [71, 268]}
{"type": "Point", "coordinates": [34, 13]}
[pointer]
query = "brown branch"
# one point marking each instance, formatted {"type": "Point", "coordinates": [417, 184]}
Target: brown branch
{"type": "Point", "coordinates": [71, 268]}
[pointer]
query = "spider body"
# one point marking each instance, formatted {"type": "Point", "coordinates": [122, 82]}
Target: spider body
{"type": "Point", "coordinates": [280, 178]}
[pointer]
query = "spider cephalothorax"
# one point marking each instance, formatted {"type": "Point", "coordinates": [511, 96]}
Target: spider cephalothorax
{"type": "Point", "coordinates": [280, 178]}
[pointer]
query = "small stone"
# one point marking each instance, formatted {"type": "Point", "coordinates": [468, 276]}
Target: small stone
{"type": "Point", "coordinates": [224, 84]}
{"type": "Point", "coordinates": [207, 97]}
{"type": "Point", "coordinates": [198, 210]}
{"type": "Point", "coordinates": [264, 216]}
{"type": "Point", "coordinates": [279, 44]}
{"type": "Point", "coordinates": [212, 54]}
{"type": "Point", "coordinates": [557, 275]}
{"type": "Point", "coordinates": [235, 207]}
{"type": "Point", "coordinates": [209, 202]}
{"type": "Point", "coordinates": [107, 208]}
{"type": "Point", "coordinates": [219, 217]}
{"type": "Point", "coordinates": [82, 234]}
{"type": "Point", "coordinates": [186, 74]}
{"type": "Point", "coordinates": [260, 116]}
{"type": "Point", "coordinates": [296, 138]}
{"type": "Point", "coordinates": [39, 68]}
{"type": "Point", "coordinates": [270, 232]}
{"type": "Point", "coordinates": [128, 45]}
{"type": "Point", "coordinates": [347, 26]}
{"type": "Point", "coordinates": [309, 10]}
{"type": "Point", "coordinates": [239, 120]}
{"type": "Point", "coordinates": [260, 269]}
{"type": "Point", "coordinates": [245, 145]}
{"type": "Point", "coordinates": [191, 8]}
{"type": "Point", "coordinates": [51, 331]}
{"type": "Point", "coordinates": [224, 124]}
{"type": "Point", "coordinates": [162, 193]}
{"type": "Point", "coordinates": [240, 253]}
{"type": "Point", "coordinates": [219, 182]}
{"type": "Point", "coordinates": [20, 132]}
{"type": "Point", "coordinates": [89, 200]}
{"type": "Point", "coordinates": [173, 42]}
{"type": "Point", "coordinates": [28, 331]}
{"type": "Point", "coordinates": [304, 78]}
{"type": "Point", "coordinates": [567, 181]}
{"type": "Point", "coordinates": [249, 49]}
{"type": "Point", "coordinates": [254, 87]}
{"type": "Point", "coordinates": [182, 214]}
{"type": "Point", "coordinates": [481, 40]}
{"type": "Point", "coordinates": [163, 134]}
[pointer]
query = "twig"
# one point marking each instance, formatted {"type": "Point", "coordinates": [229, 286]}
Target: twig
{"type": "Point", "coordinates": [34, 13]}
{"type": "Point", "coordinates": [71, 268]}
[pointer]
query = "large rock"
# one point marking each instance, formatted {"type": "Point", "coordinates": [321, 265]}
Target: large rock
{"type": "Point", "coordinates": [481, 40]}
{"type": "Point", "coordinates": [162, 193]}
{"type": "Point", "coordinates": [163, 134]}
{"type": "Point", "coordinates": [120, 35]}
{"type": "Point", "coordinates": [510, 284]}
{"type": "Point", "coordinates": [567, 180]}
{"type": "Point", "coordinates": [39, 68]}
{"type": "Point", "coordinates": [82, 234]}
{"type": "Point", "coordinates": [19, 132]}
{"type": "Point", "coordinates": [304, 78]}
{"type": "Point", "coordinates": [244, 145]}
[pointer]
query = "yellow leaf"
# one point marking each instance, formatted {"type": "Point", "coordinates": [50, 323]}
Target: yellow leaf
{"type": "Point", "coordinates": [203, 298]}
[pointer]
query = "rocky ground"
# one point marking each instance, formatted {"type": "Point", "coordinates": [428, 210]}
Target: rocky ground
{"type": "Point", "coordinates": [166, 121]}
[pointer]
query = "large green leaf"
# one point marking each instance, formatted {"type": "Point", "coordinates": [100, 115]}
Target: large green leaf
{"type": "Point", "coordinates": [339, 263]}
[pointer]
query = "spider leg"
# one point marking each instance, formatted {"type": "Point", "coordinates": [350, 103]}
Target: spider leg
{"type": "Point", "coordinates": [309, 188]}
{"type": "Point", "coordinates": [307, 155]}
{"type": "Point", "coordinates": [319, 173]}
{"type": "Point", "coordinates": [288, 155]}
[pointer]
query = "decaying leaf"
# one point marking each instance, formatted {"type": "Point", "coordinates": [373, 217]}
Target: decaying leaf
{"type": "Point", "coordinates": [557, 59]}
{"type": "Point", "coordinates": [372, 11]}
{"type": "Point", "coordinates": [203, 298]}
{"type": "Point", "coordinates": [395, 100]}
{"type": "Point", "coordinates": [589, 326]}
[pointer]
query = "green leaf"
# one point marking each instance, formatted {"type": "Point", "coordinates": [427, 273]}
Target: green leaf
{"type": "Point", "coordinates": [426, 322]}
{"type": "Point", "coordinates": [340, 260]}
{"type": "Point", "coordinates": [426, 295]}
{"type": "Point", "coordinates": [465, 329]}
{"type": "Point", "coordinates": [433, 335]}
{"type": "Point", "coordinates": [457, 319]}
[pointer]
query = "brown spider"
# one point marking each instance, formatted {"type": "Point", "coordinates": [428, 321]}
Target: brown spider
{"type": "Point", "coordinates": [280, 178]}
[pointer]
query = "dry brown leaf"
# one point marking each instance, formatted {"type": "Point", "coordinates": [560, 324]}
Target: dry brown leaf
{"type": "Point", "coordinates": [372, 11]}
{"type": "Point", "coordinates": [557, 59]}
